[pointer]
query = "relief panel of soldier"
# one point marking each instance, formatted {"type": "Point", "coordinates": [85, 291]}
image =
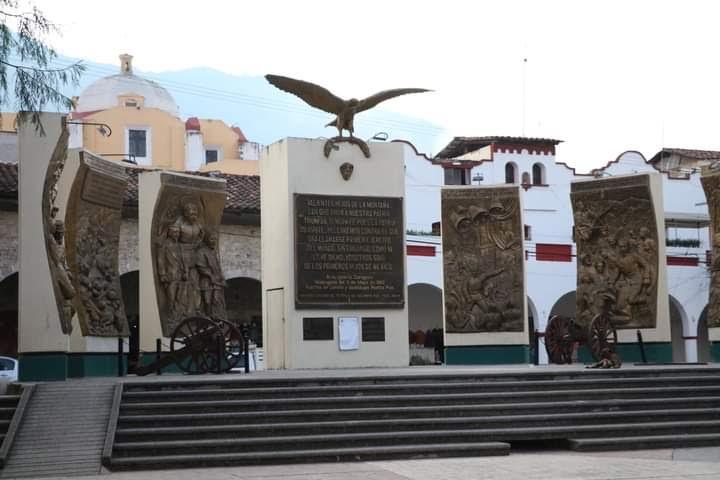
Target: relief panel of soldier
{"type": "Point", "coordinates": [188, 270]}
{"type": "Point", "coordinates": [54, 232]}
{"type": "Point", "coordinates": [711, 185]}
{"type": "Point", "coordinates": [617, 253]}
{"type": "Point", "coordinates": [483, 260]}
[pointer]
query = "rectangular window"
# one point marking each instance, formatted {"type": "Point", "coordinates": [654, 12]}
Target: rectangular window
{"type": "Point", "coordinates": [137, 143]}
{"type": "Point", "coordinates": [318, 328]}
{"type": "Point", "coordinates": [211, 156]}
{"type": "Point", "coordinates": [373, 329]}
{"type": "Point", "coordinates": [457, 176]}
{"type": "Point", "coordinates": [548, 252]}
{"type": "Point", "coordinates": [527, 232]}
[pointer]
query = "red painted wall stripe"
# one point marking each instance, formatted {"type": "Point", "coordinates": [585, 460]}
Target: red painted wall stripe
{"type": "Point", "coordinates": [421, 250]}
{"type": "Point", "coordinates": [548, 252]}
{"type": "Point", "coordinates": [683, 261]}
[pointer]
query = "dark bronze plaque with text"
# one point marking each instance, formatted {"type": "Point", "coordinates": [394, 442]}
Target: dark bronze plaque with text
{"type": "Point", "coordinates": [349, 252]}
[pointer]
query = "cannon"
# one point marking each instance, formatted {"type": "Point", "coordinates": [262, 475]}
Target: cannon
{"type": "Point", "coordinates": [201, 345]}
{"type": "Point", "coordinates": [563, 334]}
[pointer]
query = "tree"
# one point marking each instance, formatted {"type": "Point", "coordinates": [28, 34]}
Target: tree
{"type": "Point", "coordinates": [25, 55]}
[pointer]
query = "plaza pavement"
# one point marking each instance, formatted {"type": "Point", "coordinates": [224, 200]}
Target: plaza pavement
{"type": "Point", "coordinates": [663, 464]}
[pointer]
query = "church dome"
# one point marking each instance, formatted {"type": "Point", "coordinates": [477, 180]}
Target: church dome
{"type": "Point", "coordinates": [103, 94]}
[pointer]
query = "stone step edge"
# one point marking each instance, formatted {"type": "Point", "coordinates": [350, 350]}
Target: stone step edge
{"type": "Point", "coordinates": [419, 398]}
{"type": "Point", "coordinates": [239, 388]}
{"type": "Point", "coordinates": [387, 422]}
{"type": "Point", "coordinates": [333, 454]}
{"type": "Point", "coordinates": [644, 442]}
{"type": "Point", "coordinates": [131, 383]}
{"type": "Point", "coordinates": [496, 432]}
{"type": "Point", "coordinates": [609, 403]}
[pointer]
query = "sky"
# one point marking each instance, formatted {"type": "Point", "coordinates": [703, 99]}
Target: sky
{"type": "Point", "coordinates": [603, 76]}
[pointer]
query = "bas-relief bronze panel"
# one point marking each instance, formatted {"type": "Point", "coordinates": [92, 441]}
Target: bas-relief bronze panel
{"type": "Point", "coordinates": [93, 221]}
{"type": "Point", "coordinates": [349, 252]}
{"type": "Point", "coordinates": [483, 265]}
{"type": "Point", "coordinates": [617, 250]}
{"type": "Point", "coordinates": [54, 232]}
{"type": "Point", "coordinates": [186, 266]}
{"type": "Point", "coordinates": [711, 185]}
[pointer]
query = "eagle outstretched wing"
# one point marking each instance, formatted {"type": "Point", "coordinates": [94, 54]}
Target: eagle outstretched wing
{"type": "Point", "coordinates": [372, 100]}
{"type": "Point", "coordinates": [312, 94]}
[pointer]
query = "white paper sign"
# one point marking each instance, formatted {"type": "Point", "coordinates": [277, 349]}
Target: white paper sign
{"type": "Point", "coordinates": [349, 333]}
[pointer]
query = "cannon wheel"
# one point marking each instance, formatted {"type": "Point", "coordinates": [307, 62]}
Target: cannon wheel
{"type": "Point", "coordinates": [193, 335]}
{"type": "Point", "coordinates": [602, 338]}
{"type": "Point", "coordinates": [558, 340]}
{"type": "Point", "coordinates": [232, 348]}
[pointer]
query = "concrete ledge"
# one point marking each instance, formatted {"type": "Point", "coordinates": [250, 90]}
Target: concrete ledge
{"type": "Point", "coordinates": [487, 355]}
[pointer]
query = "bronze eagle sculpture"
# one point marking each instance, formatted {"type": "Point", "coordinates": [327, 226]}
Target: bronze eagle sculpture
{"type": "Point", "coordinates": [345, 110]}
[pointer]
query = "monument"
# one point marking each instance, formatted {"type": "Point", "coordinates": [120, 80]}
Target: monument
{"type": "Point", "coordinates": [179, 221]}
{"type": "Point", "coordinates": [45, 292]}
{"type": "Point", "coordinates": [93, 218]}
{"type": "Point", "coordinates": [483, 272]}
{"type": "Point", "coordinates": [619, 232]}
{"type": "Point", "coordinates": [333, 255]}
{"type": "Point", "coordinates": [711, 185]}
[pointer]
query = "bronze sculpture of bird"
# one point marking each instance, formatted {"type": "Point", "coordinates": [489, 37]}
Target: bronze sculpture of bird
{"type": "Point", "coordinates": [322, 98]}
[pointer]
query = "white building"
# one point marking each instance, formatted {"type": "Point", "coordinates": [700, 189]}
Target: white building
{"type": "Point", "coordinates": [549, 245]}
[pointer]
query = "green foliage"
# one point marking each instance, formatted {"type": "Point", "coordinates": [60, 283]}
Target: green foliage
{"type": "Point", "coordinates": [425, 233]}
{"type": "Point", "coordinates": [23, 30]}
{"type": "Point", "coordinates": [682, 242]}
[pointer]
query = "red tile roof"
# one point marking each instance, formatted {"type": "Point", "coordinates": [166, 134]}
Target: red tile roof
{"type": "Point", "coordinates": [243, 191]}
{"type": "Point", "coordinates": [708, 155]}
{"type": "Point", "coordinates": [461, 145]}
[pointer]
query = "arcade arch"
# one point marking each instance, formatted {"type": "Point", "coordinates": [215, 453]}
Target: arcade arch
{"type": "Point", "coordinates": [9, 315]}
{"type": "Point", "coordinates": [243, 302]}
{"type": "Point", "coordinates": [703, 340]}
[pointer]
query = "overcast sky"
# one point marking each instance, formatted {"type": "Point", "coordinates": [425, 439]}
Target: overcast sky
{"type": "Point", "coordinates": [604, 76]}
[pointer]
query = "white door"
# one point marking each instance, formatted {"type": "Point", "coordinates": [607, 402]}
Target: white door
{"type": "Point", "coordinates": [274, 345]}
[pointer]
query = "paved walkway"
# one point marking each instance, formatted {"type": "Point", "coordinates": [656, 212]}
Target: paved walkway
{"type": "Point", "coordinates": [665, 464]}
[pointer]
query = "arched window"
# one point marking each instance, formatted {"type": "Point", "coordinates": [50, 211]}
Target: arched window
{"type": "Point", "coordinates": [526, 178]}
{"type": "Point", "coordinates": [509, 172]}
{"type": "Point", "coordinates": [538, 174]}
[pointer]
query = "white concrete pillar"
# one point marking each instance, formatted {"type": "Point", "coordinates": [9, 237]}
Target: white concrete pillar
{"type": "Point", "coordinates": [691, 350]}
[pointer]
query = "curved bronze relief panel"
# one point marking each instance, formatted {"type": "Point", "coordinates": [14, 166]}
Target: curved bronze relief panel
{"type": "Point", "coordinates": [483, 260]}
{"type": "Point", "coordinates": [93, 218]}
{"type": "Point", "coordinates": [617, 250]}
{"type": "Point", "coordinates": [711, 185]}
{"type": "Point", "coordinates": [186, 265]}
{"type": "Point", "coordinates": [54, 231]}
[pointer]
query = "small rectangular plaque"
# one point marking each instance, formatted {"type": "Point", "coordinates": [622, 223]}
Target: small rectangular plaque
{"type": "Point", "coordinates": [373, 329]}
{"type": "Point", "coordinates": [318, 328]}
{"type": "Point", "coordinates": [349, 333]}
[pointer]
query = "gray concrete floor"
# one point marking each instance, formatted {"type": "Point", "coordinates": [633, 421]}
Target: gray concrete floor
{"type": "Point", "coordinates": [663, 464]}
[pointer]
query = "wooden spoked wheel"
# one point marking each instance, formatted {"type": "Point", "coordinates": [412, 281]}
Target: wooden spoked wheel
{"type": "Point", "coordinates": [558, 340]}
{"type": "Point", "coordinates": [602, 338]}
{"type": "Point", "coordinates": [232, 348]}
{"type": "Point", "coordinates": [191, 344]}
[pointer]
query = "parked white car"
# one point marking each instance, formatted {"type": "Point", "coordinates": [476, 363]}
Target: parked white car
{"type": "Point", "coordinates": [8, 369]}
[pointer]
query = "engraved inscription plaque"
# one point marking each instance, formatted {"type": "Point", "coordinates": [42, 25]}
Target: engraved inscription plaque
{"type": "Point", "coordinates": [483, 260]}
{"type": "Point", "coordinates": [711, 185]}
{"type": "Point", "coordinates": [349, 252]}
{"type": "Point", "coordinates": [617, 250]}
{"type": "Point", "coordinates": [93, 219]}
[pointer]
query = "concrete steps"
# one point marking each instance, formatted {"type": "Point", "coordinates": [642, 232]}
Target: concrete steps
{"type": "Point", "coordinates": [270, 420]}
{"type": "Point", "coordinates": [11, 412]}
{"type": "Point", "coordinates": [62, 432]}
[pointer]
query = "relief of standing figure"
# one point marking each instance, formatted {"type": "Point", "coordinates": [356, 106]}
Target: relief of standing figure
{"type": "Point", "coordinates": [212, 281]}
